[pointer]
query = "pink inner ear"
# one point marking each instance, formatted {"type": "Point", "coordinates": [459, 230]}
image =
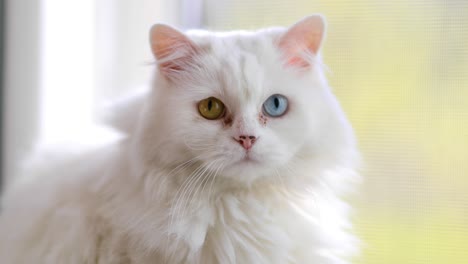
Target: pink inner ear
{"type": "Point", "coordinates": [297, 62]}
{"type": "Point", "coordinates": [173, 50]}
{"type": "Point", "coordinates": [301, 39]}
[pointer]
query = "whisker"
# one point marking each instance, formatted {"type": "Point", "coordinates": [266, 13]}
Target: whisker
{"type": "Point", "coordinates": [210, 174]}
{"type": "Point", "coordinates": [189, 190]}
{"type": "Point", "coordinates": [198, 145]}
{"type": "Point", "coordinates": [220, 167]}
{"type": "Point", "coordinates": [179, 194]}
{"type": "Point", "coordinates": [179, 199]}
{"type": "Point", "coordinates": [200, 178]}
{"type": "Point", "coordinates": [176, 170]}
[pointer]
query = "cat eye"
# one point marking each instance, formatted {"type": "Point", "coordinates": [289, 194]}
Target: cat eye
{"type": "Point", "coordinates": [276, 105]}
{"type": "Point", "coordinates": [211, 108]}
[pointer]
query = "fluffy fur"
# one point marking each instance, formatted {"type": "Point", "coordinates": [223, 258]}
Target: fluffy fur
{"type": "Point", "coordinates": [177, 188]}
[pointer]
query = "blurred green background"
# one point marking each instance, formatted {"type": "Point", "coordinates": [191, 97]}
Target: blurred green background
{"type": "Point", "coordinates": [400, 70]}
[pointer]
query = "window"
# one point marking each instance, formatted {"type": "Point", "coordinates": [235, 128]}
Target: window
{"type": "Point", "coordinates": [64, 59]}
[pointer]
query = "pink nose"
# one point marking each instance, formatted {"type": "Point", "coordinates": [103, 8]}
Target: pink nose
{"type": "Point", "coordinates": [246, 141]}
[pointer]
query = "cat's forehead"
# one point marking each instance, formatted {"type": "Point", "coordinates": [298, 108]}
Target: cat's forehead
{"type": "Point", "coordinates": [238, 63]}
{"type": "Point", "coordinates": [221, 43]}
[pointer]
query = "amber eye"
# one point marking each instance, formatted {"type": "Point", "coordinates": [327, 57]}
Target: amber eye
{"type": "Point", "coordinates": [211, 108]}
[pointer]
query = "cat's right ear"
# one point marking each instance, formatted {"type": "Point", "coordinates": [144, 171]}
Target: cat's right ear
{"type": "Point", "coordinates": [172, 49]}
{"type": "Point", "coordinates": [303, 40]}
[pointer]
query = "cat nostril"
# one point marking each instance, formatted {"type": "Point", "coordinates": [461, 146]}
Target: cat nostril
{"type": "Point", "coordinates": [246, 141]}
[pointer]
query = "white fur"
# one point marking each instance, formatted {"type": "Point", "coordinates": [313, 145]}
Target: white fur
{"type": "Point", "coordinates": [176, 190]}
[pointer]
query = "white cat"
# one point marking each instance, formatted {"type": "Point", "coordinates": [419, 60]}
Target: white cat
{"type": "Point", "coordinates": [238, 154]}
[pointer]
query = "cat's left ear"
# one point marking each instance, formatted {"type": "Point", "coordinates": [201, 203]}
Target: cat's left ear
{"type": "Point", "coordinates": [302, 40]}
{"type": "Point", "coordinates": [173, 50]}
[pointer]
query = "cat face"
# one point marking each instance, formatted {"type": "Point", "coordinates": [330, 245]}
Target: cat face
{"type": "Point", "coordinates": [246, 105]}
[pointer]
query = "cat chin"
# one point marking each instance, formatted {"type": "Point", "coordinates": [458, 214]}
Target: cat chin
{"type": "Point", "coordinates": [248, 171]}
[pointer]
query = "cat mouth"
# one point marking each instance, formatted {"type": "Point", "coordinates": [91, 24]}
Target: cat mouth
{"type": "Point", "coordinates": [248, 159]}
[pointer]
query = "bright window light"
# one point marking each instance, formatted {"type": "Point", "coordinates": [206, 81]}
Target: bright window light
{"type": "Point", "coordinates": [67, 65]}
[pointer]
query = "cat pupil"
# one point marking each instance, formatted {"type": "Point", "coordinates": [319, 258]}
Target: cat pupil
{"type": "Point", "coordinates": [276, 101]}
{"type": "Point", "coordinates": [210, 104]}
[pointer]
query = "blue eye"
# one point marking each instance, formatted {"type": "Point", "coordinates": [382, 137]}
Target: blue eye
{"type": "Point", "coordinates": [276, 105]}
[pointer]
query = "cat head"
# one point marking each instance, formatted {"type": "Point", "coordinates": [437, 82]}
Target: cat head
{"type": "Point", "coordinates": [243, 105]}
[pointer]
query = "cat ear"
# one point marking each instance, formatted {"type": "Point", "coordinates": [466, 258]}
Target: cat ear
{"type": "Point", "coordinates": [302, 39]}
{"type": "Point", "coordinates": [172, 49]}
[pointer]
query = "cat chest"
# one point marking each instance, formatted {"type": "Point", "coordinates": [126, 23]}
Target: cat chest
{"type": "Point", "coordinates": [237, 230]}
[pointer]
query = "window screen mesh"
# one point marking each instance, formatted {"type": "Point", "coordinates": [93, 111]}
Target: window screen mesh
{"type": "Point", "coordinates": [400, 70]}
